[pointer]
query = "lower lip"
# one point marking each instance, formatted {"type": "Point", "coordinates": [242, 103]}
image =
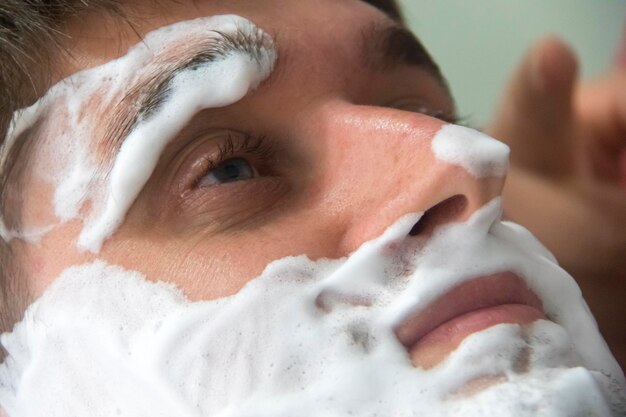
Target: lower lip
{"type": "Point", "coordinates": [435, 345]}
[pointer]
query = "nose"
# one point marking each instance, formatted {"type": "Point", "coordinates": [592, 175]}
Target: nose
{"type": "Point", "coordinates": [386, 163]}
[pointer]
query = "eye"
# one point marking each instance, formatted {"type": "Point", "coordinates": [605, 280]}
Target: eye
{"type": "Point", "coordinates": [230, 170]}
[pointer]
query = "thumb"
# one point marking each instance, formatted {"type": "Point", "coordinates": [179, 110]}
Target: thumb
{"type": "Point", "coordinates": [535, 116]}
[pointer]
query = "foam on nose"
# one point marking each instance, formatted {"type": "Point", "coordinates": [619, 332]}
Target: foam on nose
{"type": "Point", "coordinates": [479, 154]}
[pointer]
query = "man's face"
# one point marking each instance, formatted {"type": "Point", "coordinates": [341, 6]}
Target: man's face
{"type": "Point", "coordinates": [328, 152]}
{"type": "Point", "coordinates": [338, 145]}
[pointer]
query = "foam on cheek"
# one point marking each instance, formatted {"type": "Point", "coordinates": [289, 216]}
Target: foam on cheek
{"type": "Point", "coordinates": [311, 338]}
{"type": "Point", "coordinates": [479, 154]}
{"type": "Point", "coordinates": [76, 110]}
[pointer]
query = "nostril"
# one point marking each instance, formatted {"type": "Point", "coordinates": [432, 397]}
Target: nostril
{"type": "Point", "coordinates": [443, 212]}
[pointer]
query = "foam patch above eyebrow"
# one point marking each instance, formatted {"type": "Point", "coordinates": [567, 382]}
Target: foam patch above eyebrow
{"type": "Point", "coordinates": [237, 56]}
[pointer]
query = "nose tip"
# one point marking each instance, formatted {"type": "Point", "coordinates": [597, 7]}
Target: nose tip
{"type": "Point", "coordinates": [485, 162]}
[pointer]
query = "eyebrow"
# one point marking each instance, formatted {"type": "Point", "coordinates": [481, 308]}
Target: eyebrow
{"type": "Point", "coordinates": [388, 44]}
{"type": "Point", "coordinates": [145, 97]}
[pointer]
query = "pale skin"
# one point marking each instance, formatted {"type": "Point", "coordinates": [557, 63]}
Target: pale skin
{"type": "Point", "coordinates": [349, 161]}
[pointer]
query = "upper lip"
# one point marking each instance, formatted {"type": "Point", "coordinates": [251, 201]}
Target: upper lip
{"type": "Point", "coordinates": [474, 294]}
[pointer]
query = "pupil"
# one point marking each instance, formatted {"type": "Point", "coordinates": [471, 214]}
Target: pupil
{"type": "Point", "coordinates": [235, 169]}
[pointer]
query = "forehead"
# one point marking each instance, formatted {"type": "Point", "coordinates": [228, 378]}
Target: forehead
{"type": "Point", "coordinates": [95, 38]}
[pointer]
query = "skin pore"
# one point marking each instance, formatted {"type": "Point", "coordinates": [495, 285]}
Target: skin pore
{"type": "Point", "coordinates": [331, 149]}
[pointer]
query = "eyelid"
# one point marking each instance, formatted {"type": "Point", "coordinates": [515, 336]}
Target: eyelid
{"type": "Point", "coordinates": [257, 146]}
{"type": "Point", "coordinates": [256, 150]}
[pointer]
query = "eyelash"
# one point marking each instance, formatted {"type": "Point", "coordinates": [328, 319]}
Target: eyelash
{"type": "Point", "coordinates": [459, 120]}
{"type": "Point", "coordinates": [441, 115]}
{"type": "Point", "coordinates": [417, 106]}
{"type": "Point", "coordinates": [258, 147]}
{"type": "Point", "coordinates": [452, 119]}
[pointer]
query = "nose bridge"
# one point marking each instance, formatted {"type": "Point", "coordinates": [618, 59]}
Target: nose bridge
{"type": "Point", "coordinates": [389, 163]}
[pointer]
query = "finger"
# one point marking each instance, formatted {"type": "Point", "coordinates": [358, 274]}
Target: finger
{"type": "Point", "coordinates": [601, 108]}
{"type": "Point", "coordinates": [535, 117]}
{"type": "Point", "coordinates": [601, 105]}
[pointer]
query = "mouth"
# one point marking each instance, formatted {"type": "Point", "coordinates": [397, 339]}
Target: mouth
{"type": "Point", "coordinates": [430, 334]}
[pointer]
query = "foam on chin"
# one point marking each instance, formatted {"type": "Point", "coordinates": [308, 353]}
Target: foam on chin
{"type": "Point", "coordinates": [137, 348]}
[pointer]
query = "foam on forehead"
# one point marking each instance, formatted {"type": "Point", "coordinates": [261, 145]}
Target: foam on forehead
{"type": "Point", "coordinates": [77, 108]}
{"type": "Point", "coordinates": [136, 348]}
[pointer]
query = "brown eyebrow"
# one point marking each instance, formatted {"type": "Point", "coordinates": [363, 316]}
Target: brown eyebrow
{"type": "Point", "coordinates": [388, 44]}
{"type": "Point", "coordinates": [145, 97]}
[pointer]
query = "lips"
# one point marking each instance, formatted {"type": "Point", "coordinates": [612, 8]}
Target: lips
{"type": "Point", "coordinates": [430, 334]}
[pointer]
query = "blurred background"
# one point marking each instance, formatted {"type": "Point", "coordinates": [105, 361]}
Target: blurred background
{"type": "Point", "coordinates": [479, 43]}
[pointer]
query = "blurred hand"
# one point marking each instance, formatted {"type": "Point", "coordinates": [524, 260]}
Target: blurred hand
{"type": "Point", "coordinates": [567, 181]}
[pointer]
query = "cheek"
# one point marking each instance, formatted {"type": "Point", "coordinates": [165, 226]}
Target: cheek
{"type": "Point", "coordinates": [209, 266]}
{"type": "Point", "coordinates": [43, 261]}
{"type": "Point", "coordinates": [204, 267]}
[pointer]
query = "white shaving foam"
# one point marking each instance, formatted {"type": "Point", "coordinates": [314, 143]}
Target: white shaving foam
{"type": "Point", "coordinates": [479, 154]}
{"type": "Point", "coordinates": [73, 128]}
{"type": "Point", "coordinates": [103, 341]}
